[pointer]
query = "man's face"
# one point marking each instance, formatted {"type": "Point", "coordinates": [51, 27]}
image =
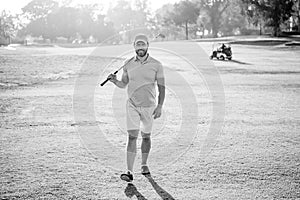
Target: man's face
{"type": "Point", "coordinates": [141, 48]}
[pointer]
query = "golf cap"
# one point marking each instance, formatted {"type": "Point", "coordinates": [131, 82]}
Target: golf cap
{"type": "Point", "coordinates": [141, 38]}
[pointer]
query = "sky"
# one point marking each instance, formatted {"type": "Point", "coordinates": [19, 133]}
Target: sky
{"type": "Point", "coordinates": [14, 6]}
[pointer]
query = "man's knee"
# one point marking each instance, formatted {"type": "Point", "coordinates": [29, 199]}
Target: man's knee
{"type": "Point", "coordinates": [146, 136]}
{"type": "Point", "coordinates": [133, 135]}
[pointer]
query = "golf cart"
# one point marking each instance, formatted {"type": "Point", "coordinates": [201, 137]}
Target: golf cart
{"type": "Point", "coordinates": [221, 52]}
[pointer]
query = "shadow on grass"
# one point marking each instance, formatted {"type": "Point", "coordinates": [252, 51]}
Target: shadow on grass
{"type": "Point", "coordinates": [239, 62]}
{"type": "Point", "coordinates": [234, 61]}
{"type": "Point", "coordinates": [131, 191]}
{"type": "Point", "coordinates": [160, 191]}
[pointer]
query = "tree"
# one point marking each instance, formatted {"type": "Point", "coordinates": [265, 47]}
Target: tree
{"type": "Point", "coordinates": [203, 22]}
{"type": "Point", "coordinates": [185, 13]}
{"type": "Point", "coordinates": [103, 30]}
{"type": "Point", "coordinates": [126, 18]}
{"type": "Point", "coordinates": [7, 27]}
{"type": "Point", "coordinates": [215, 9]}
{"type": "Point", "coordinates": [296, 14]}
{"type": "Point", "coordinates": [162, 22]}
{"type": "Point", "coordinates": [254, 17]}
{"type": "Point", "coordinates": [141, 12]}
{"type": "Point", "coordinates": [85, 22]}
{"type": "Point", "coordinates": [121, 15]}
{"type": "Point", "coordinates": [37, 28]}
{"type": "Point", "coordinates": [38, 13]}
{"type": "Point", "coordinates": [39, 9]}
{"type": "Point", "coordinates": [274, 12]}
{"type": "Point", "coordinates": [63, 22]}
{"type": "Point", "coordinates": [233, 20]}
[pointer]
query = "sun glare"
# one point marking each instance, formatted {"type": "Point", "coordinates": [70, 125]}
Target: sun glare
{"type": "Point", "coordinates": [15, 6]}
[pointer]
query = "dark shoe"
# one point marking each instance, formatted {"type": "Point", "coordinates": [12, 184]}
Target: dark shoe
{"type": "Point", "coordinates": [145, 170]}
{"type": "Point", "coordinates": [127, 177]}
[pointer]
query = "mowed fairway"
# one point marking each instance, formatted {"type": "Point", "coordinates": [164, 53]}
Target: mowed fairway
{"type": "Point", "coordinates": [44, 150]}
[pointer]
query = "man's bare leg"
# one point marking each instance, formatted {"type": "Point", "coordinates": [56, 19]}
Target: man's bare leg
{"type": "Point", "coordinates": [131, 148]}
{"type": "Point", "coordinates": [145, 147]}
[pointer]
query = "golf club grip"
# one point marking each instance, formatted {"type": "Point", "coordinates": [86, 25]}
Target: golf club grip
{"type": "Point", "coordinates": [103, 83]}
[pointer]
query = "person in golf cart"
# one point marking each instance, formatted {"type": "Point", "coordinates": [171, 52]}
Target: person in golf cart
{"type": "Point", "coordinates": [222, 48]}
{"type": "Point", "coordinates": [222, 52]}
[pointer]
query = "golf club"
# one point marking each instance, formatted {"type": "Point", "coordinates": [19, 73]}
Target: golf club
{"type": "Point", "coordinates": [103, 83]}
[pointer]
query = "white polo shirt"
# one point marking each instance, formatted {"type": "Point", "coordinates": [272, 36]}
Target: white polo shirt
{"type": "Point", "coordinates": [142, 78]}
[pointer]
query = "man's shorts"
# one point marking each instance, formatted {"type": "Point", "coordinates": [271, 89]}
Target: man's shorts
{"type": "Point", "coordinates": [136, 116]}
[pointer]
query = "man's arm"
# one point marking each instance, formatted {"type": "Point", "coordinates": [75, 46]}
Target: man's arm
{"type": "Point", "coordinates": [161, 91]}
{"type": "Point", "coordinates": [161, 97]}
{"type": "Point", "coordinates": [124, 81]}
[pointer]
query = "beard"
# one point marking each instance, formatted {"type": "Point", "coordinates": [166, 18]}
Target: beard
{"type": "Point", "coordinates": [141, 52]}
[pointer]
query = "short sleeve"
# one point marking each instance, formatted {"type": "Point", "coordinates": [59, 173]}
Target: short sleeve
{"type": "Point", "coordinates": [125, 64]}
{"type": "Point", "coordinates": [125, 68]}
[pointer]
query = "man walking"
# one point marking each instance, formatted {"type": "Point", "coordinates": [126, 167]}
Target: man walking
{"type": "Point", "coordinates": [140, 74]}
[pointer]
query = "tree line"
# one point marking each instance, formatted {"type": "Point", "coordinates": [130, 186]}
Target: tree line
{"type": "Point", "coordinates": [50, 19]}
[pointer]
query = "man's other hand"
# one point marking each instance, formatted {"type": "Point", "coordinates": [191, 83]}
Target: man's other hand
{"type": "Point", "coordinates": [157, 111]}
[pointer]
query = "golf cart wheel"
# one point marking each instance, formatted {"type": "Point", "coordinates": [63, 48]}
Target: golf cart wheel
{"type": "Point", "coordinates": [222, 57]}
{"type": "Point", "coordinates": [229, 58]}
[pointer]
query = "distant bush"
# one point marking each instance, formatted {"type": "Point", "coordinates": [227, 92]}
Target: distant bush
{"type": "Point", "coordinates": [245, 31]}
{"type": "Point", "coordinates": [289, 33]}
{"type": "Point", "coordinates": [18, 40]}
{"type": "Point", "coordinates": [4, 41]}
